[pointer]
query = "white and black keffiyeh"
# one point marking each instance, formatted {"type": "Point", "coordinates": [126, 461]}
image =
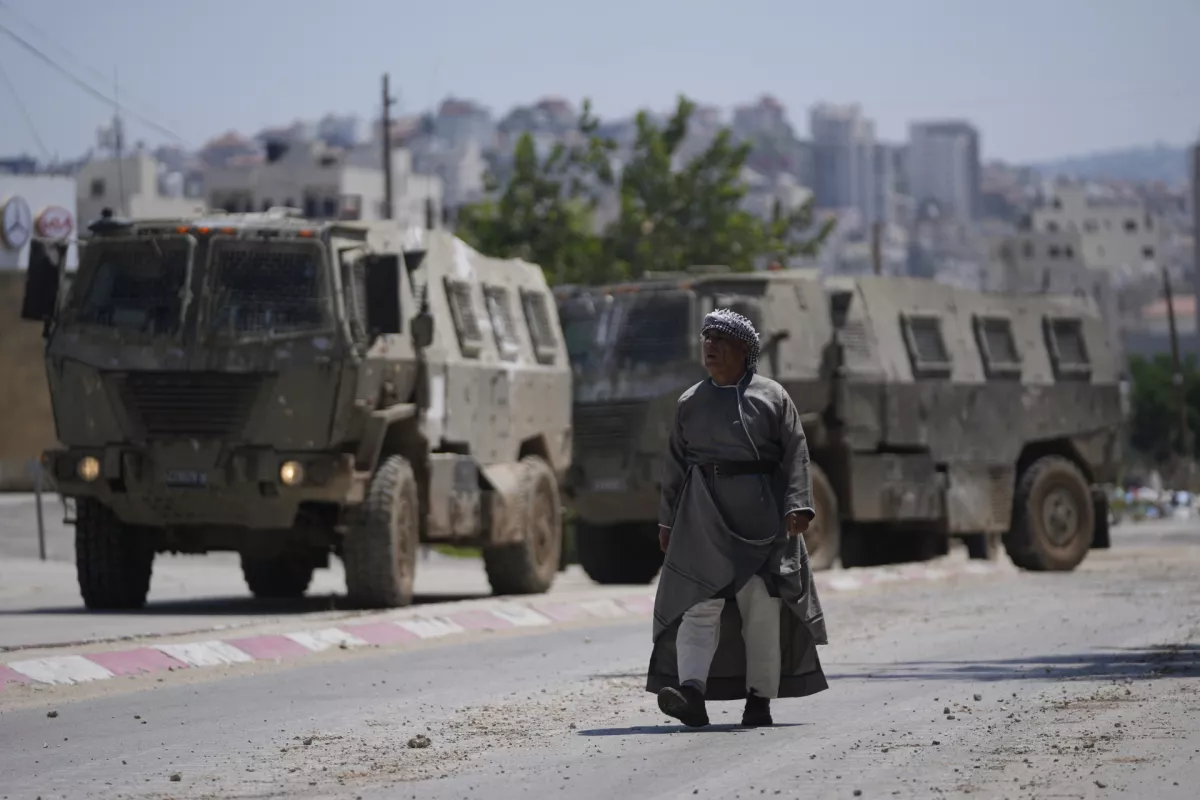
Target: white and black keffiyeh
{"type": "Point", "coordinates": [735, 325]}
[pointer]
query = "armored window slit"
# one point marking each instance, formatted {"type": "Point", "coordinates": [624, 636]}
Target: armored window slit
{"type": "Point", "coordinates": [998, 346]}
{"type": "Point", "coordinates": [541, 329]}
{"type": "Point", "coordinates": [503, 325]}
{"type": "Point", "coordinates": [466, 322]}
{"type": "Point", "coordinates": [926, 347]}
{"type": "Point", "coordinates": [1068, 349]}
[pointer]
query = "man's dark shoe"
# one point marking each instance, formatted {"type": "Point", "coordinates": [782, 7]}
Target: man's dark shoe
{"type": "Point", "coordinates": [685, 704]}
{"type": "Point", "coordinates": [758, 711]}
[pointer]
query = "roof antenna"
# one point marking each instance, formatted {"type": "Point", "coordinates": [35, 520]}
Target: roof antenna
{"type": "Point", "coordinates": [429, 215]}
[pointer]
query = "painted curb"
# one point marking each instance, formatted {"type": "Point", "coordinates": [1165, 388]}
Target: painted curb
{"type": "Point", "coordinates": [382, 632]}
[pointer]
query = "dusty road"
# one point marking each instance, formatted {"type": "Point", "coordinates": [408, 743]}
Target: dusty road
{"type": "Point", "coordinates": [40, 603]}
{"type": "Point", "coordinates": [1011, 685]}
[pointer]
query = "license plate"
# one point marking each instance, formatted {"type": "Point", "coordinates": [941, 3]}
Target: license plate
{"type": "Point", "coordinates": [608, 485]}
{"type": "Point", "coordinates": [187, 478]}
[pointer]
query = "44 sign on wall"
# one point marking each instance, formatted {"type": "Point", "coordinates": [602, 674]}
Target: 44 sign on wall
{"type": "Point", "coordinates": [55, 222]}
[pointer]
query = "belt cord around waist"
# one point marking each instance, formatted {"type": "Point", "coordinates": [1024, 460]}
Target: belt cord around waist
{"type": "Point", "coordinates": [728, 468]}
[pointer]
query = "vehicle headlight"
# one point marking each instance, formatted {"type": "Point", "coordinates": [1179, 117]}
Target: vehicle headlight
{"type": "Point", "coordinates": [291, 473]}
{"type": "Point", "coordinates": [88, 468]}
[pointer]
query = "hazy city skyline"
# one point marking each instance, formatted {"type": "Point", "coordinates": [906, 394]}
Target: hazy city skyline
{"type": "Point", "coordinates": [1039, 81]}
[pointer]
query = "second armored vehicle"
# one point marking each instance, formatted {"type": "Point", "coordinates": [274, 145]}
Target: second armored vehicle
{"type": "Point", "coordinates": [288, 389]}
{"type": "Point", "coordinates": [931, 411]}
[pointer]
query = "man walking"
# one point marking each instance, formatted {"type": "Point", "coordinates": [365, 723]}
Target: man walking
{"type": "Point", "coordinates": [736, 497]}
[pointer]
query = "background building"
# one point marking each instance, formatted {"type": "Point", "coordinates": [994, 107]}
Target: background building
{"type": "Point", "coordinates": [845, 173]}
{"type": "Point", "coordinates": [944, 167]}
{"type": "Point", "coordinates": [136, 186]}
{"type": "Point", "coordinates": [1117, 234]}
{"type": "Point", "coordinates": [34, 204]}
{"type": "Point", "coordinates": [326, 183]}
{"type": "Point", "coordinates": [31, 204]}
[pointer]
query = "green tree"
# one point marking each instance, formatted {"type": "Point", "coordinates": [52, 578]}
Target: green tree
{"type": "Point", "coordinates": [545, 212]}
{"type": "Point", "coordinates": [672, 215]}
{"type": "Point", "coordinates": [1154, 422]}
{"type": "Point", "coordinates": [676, 215]}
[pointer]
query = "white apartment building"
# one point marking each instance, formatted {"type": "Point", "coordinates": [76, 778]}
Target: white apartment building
{"type": "Point", "coordinates": [461, 168]}
{"type": "Point", "coordinates": [1118, 236]}
{"type": "Point", "coordinates": [327, 183]}
{"type": "Point", "coordinates": [1052, 262]}
{"type": "Point", "coordinates": [762, 193]}
{"type": "Point", "coordinates": [943, 167]}
{"type": "Point", "coordinates": [844, 161]}
{"type": "Point", "coordinates": [131, 187]}
{"type": "Point", "coordinates": [35, 205]}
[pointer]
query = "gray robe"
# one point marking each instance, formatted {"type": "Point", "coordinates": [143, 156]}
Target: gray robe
{"type": "Point", "coordinates": [725, 530]}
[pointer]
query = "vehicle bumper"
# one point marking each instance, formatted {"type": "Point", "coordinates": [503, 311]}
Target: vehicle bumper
{"type": "Point", "coordinates": [193, 484]}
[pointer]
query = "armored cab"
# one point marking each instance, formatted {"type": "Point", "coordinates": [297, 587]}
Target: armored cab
{"type": "Point", "coordinates": [931, 411]}
{"type": "Point", "coordinates": [288, 389]}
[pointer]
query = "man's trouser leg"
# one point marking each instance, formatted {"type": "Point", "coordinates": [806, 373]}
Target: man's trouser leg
{"type": "Point", "coordinates": [696, 642]}
{"type": "Point", "coordinates": [760, 631]}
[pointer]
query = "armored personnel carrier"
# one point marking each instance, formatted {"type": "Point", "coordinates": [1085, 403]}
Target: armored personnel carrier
{"type": "Point", "coordinates": [931, 411]}
{"type": "Point", "coordinates": [290, 389]}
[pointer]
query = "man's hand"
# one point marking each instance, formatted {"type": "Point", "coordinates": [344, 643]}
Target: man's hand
{"type": "Point", "coordinates": [797, 523]}
{"type": "Point", "coordinates": [664, 537]}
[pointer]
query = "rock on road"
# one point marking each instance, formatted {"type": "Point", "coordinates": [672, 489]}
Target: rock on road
{"type": "Point", "coordinates": [1015, 685]}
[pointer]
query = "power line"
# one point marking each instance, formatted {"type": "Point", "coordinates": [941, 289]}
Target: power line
{"type": "Point", "coordinates": [96, 93]}
{"type": "Point", "coordinates": [97, 74]}
{"type": "Point", "coordinates": [12, 88]}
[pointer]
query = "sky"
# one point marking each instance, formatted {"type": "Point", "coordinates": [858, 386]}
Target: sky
{"type": "Point", "coordinates": [1040, 78]}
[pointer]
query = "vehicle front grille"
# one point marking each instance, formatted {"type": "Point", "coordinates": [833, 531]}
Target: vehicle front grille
{"type": "Point", "coordinates": [189, 403]}
{"type": "Point", "coordinates": [607, 427]}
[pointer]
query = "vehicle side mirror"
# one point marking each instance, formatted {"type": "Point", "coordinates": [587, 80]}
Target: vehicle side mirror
{"type": "Point", "coordinates": [382, 273]}
{"type": "Point", "coordinates": [422, 330]}
{"type": "Point", "coordinates": [41, 282]}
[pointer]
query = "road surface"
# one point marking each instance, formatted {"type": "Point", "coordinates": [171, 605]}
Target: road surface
{"type": "Point", "coordinates": [1010, 685]}
{"type": "Point", "coordinates": [40, 603]}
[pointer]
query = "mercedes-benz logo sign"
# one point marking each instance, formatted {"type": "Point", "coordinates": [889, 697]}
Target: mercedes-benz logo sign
{"type": "Point", "coordinates": [16, 223]}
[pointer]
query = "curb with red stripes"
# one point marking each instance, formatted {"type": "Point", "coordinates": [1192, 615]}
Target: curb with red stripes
{"type": "Point", "coordinates": [368, 631]}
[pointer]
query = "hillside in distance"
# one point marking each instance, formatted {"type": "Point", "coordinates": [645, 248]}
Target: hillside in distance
{"type": "Point", "coordinates": [1159, 162]}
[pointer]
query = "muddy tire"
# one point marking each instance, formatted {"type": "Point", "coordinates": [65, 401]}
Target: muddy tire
{"type": "Point", "coordinates": [619, 554]}
{"type": "Point", "coordinates": [823, 539]}
{"type": "Point", "coordinates": [380, 551]}
{"type": "Point", "coordinates": [1053, 521]}
{"type": "Point", "coordinates": [113, 560]}
{"type": "Point", "coordinates": [529, 566]}
{"type": "Point", "coordinates": [276, 578]}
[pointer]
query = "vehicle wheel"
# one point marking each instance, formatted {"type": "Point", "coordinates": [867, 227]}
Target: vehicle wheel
{"type": "Point", "coordinates": [619, 554]}
{"type": "Point", "coordinates": [823, 539]}
{"type": "Point", "coordinates": [1053, 517]}
{"type": "Point", "coordinates": [114, 561]}
{"type": "Point", "coordinates": [380, 551]}
{"type": "Point", "coordinates": [276, 578]}
{"type": "Point", "coordinates": [529, 566]}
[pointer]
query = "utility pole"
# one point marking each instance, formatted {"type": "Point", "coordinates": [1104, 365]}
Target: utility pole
{"type": "Point", "coordinates": [387, 149]}
{"type": "Point", "coordinates": [876, 247]}
{"type": "Point", "coordinates": [1185, 436]}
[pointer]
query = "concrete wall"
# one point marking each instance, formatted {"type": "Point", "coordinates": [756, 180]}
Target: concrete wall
{"type": "Point", "coordinates": [26, 421]}
{"type": "Point", "coordinates": [39, 192]}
